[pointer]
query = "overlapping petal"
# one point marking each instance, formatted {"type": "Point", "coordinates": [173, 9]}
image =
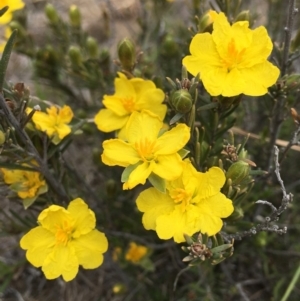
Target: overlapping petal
{"type": "Point", "coordinates": [168, 167]}
{"type": "Point", "coordinates": [112, 122]}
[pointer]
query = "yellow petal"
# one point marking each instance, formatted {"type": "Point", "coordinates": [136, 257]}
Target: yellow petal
{"type": "Point", "coordinates": [84, 218]}
{"type": "Point", "coordinates": [62, 130]}
{"type": "Point", "coordinates": [62, 261]}
{"type": "Point", "coordinates": [210, 183]}
{"type": "Point", "coordinates": [259, 77]}
{"type": "Point", "coordinates": [168, 167]}
{"type": "Point", "coordinates": [259, 50]}
{"type": "Point", "coordinates": [211, 210]}
{"type": "Point", "coordinates": [118, 152]}
{"type": "Point", "coordinates": [115, 104]}
{"type": "Point", "coordinates": [172, 141]}
{"type": "Point", "coordinates": [177, 223]}
{"type": "Point", "coordinates": [153, 203]}
{"type": "Point", "coordinates": [13, 176]}
{"type": "Point", "coordinates": [89, 249]}
{"type": "Point", "coordinates": [65, 114]}
{"type": "Point", "coordinates": [204, 54]}
{"type": "Point", "coordinates": [139, 175]}
{"type": "Point", "coordinates": [44, 122]}
{"type": "Point", "coordinates": [39, 243]}
{"type": "Point", "coordinates": [107, 121]}
{"type": "Point", "coordinates": [143, 125]}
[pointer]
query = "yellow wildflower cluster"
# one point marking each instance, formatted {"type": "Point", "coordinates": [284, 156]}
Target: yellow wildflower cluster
{"type": "Point", "coordinates": [147, 151]}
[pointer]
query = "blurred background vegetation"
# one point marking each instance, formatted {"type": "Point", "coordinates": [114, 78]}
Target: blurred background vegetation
{"type": "Point", "coordinates": [69, 56]}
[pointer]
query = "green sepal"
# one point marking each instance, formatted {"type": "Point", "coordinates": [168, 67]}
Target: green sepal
{"type": "Point", "coordinates": [183, 153]}
{"type": "Point", "coordinates": [157, 182]}
{"type": "Point", "coordinates": [127, 171]}
{"type": "Point", "coordinates": [28, 202]}
{"type": "Point", "coordinates": [176, 118]}
{"type": "Point", "coordinates": [5, 57]}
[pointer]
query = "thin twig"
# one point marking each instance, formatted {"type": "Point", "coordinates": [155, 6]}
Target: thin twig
{"type": "Point", "coordinates": [278, 112]}
{"type": "Point", "coordinates": [292, 11]}
{"type": "Point", "coordinates": [276, 212]}
{"type": "Point", "coordinates": [43, 167]}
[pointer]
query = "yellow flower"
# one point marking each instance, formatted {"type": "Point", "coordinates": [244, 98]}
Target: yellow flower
{"type": "Point", "coordinates": [12, 6]}
{"type": "Point", "coordinates": [192, 203]}
{"type": "Point", "coordinates": [135, 252]}
{"type": "Point", "coordinates": [54, 122]}
{"type": "Point", "coordinates": [65, 239]}
{"type": "Point", "coordinates": [146, 152]}
{"type": "Point", "coordinates": [131, 95]}
{"type": "Point", "coordinates": [7, 33]}
{"type": "Point", "coordinates": [233, 59]}
{"type": "Point", "coordinates": [27, 184]}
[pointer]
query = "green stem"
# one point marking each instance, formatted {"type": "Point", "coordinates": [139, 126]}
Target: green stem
{"type": "Point", "coordinates": [291, 285]}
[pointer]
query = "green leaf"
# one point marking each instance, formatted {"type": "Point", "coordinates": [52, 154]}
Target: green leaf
{"type": "Point", "coordinates": [176, 118]}
{"type": "Point", "coordinates": [221, 248]}
{"type": "Point", "coordinates": [3, 10]}
{"type": "Point", "coordinates": [127, 171]}
{"type": "Point", "coordinates": [5, 57]}
{"type": "Point", "coordinates": [209, 106]}
{"type": "Point", "coordinates": [13, 166]}
{"type": "Point", "coordinates": [158, 182]}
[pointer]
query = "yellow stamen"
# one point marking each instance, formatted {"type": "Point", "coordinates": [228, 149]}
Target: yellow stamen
{"type": "Point", "coordinates": [145, 149]}
{"type": "Point", "coordinates": [180, 196]}
{"type": "Point", "coordinates": [128, 104]}
{"type": "Point", "coordinates": [234, 57]}
{"type": "Point", "coordinates": [63, 233]}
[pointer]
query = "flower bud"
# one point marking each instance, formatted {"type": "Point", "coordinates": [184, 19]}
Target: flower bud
{"type": "Point", "coordinates": [126, 54]}
{"type": "Point", "coordinates": [296, 41]}
{"type": "Point", "coordinates": [51, 13]}
{"type": "Point", "coordinates": [75, 55]}
{"type": "Point", "coordinates": [244, 16]}
{"type": "Point", "coordinates": [92, 47]}
{"type": "Point", "coordinates": [292, 82]}
{"type": "Point", "coordinates": [2, 138]}
{"type": "Point", "coordinates": [75, 16]}
{"type": "Point", "coordinates": [181, 101]}
{"type": "Point", "coordinates": [237, 172]}
{"type": "Point", "coordinates": [206, 22]}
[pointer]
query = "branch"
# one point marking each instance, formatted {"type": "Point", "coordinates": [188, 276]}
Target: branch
{"type": "Point", "coordinates": [276, 212]}
{"type": "Point", "coordinates": [42, 165]}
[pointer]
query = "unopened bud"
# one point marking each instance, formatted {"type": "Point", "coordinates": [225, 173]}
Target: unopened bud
{"type": "Point", "coordinates": [244, 16]}
{"type": "Point", "coordinates": [237, 172]}
{"type": "Point", "coordinates": [75, 16]}
{"type": "Point", "coordinates": [296, 41]}
{"type": "Point", "coordinates": [75, 55]}
{"type": "Point", "coordinates": [2, 138]}
{"type": "Point", "coordinates": [292, 82]}
{"type": "Point", "coordinates": [92, 47]}
{"type": "Point", "coordinates": [51, 13]}
{"type": "Point", "coordinates": [206, 22]}
{"type": "Point", "coordinates": [181, 101]}
{"type": "Point", "coordinates": [126, 54]}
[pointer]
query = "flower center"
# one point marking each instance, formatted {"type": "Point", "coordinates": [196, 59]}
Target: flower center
{"type": "Point", "coordinates": [234, 57]}
{"type": "Point", "coordinates": [145, 149]}
{"type": "Point", "coordinates": [63, 233]}
{"type": "Point", "coordinates": [180, 196]}
{"type": "Point", "coordinates": [128, 103]}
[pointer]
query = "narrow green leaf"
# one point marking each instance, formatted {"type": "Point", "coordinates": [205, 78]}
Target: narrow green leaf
{"type": "Point", "coordinates": [13, 166]}
{"type": "Point", "coordinates": [5, 57]}
{"type": "Point", "coordinates": [209, 106]}
{"type": "Point", "coordinates": [221, 248]}
{"type": "Point", "coordinates": [3, 10]}
{"type": "Point", "coordinates": [183, 153]}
